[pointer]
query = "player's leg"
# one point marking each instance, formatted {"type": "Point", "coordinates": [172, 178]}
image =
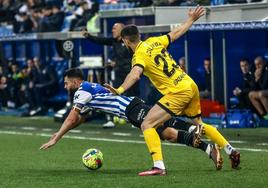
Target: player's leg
{"type": "Point", "coordinates": [177, 123]}
{"type": "Point", "coordinates": [137, 111]}
{"type": "Point", "coordinates": [187, 138]}
{"type": "Point", "coordinates": [155, 117]}
{"type": "Point", "coordinates": [255, 101]}
{"type": "Point", "coordinates": [211, 132]}
{"type": "Point", "coordinates": [263, 95]}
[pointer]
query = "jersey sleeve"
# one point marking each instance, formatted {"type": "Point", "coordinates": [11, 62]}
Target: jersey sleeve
{"type": "Point", "coordinates": [80, 99]}
{"type": "Point", "coordinates": [138, 61]}
{"type": "Point", "coordinates": [164, 39]}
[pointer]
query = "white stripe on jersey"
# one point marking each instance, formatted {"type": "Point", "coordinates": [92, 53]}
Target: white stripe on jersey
{"type": "Point", "coordinates": [110, 103]}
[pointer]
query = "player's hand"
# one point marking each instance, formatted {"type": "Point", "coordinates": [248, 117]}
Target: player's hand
{"type": "Point", "coordinates": [196, 13]}
{"type": "Point", "coordinates": [85, 33]}
{"type": "Point", "coordinates": [50, 143]}
{"type": "Point", "coordinates": [110, 88]}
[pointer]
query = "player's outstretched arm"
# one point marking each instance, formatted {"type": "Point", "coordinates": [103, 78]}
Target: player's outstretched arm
{"type": "Point", "coordinates": [72, 121]}
{"type": "Point", "coordinates": [98, 40]}
{"type": "Point", "coordinates": [130, 80]}
{"type": "Point", "coordinates": [193, 15]}
{"type": "Point", "coordinates": [111, 89]}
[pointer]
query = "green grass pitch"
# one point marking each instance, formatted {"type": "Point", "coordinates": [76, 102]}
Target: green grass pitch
{"type": "Point", "coordinates": [22, 164]}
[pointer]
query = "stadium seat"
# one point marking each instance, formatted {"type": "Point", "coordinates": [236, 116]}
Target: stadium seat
{"type": "Point", "coordinates": [209, 106]}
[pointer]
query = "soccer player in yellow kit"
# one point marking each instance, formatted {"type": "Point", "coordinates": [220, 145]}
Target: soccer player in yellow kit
{"type": "Point", "coordinates": [180, 93]}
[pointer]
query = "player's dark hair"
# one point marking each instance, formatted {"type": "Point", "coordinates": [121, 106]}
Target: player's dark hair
{"type": "Point", "coordinates": [244, 60]}
{"type": "Point", "coordinates": [131, 33]}
{"type": "Point", "coordinates": [207, 59]}
{"type": "Point", "coordinates": [74, 73]}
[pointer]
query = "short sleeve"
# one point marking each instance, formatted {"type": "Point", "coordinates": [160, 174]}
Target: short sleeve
{"type": "Point", "coordinates": [137, 60]}
{"type": "Point", "coordinates": [81, 98]}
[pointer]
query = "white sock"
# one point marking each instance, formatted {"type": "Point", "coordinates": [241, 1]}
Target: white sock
{"type": "Point", "coordinates": [191, 128]}
{"type": "Point", "coordinates": [159, 164]}
{"type": "Point", "coordinates": [208, 150]}
{"type": "Point", "coordinates": [228, 149]}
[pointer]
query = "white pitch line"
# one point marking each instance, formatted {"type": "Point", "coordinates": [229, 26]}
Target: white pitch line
{"type": "Point", "coordinates": [16, 133]}
{"type": "Point", "coordinates": [92, 132]}
{"type": "Point", "coordinates": [28, 128]}
{"type": "Point", "coordinates": [75, 131]}
{"type": "Point", "coordinates": [262, 144]}
{"type": "Point", "coordinates": [47, 129]}
{"type": "Point", "coordinates": [112, 140]}
{"type": "Point", "coordinates": [39, 117]}
{"type": "Point", "coordinates": [121, 134]}
{"type": "Point", "coordinates": [231, 141]}
{"type": "Point", "coordinates": [238, 142]}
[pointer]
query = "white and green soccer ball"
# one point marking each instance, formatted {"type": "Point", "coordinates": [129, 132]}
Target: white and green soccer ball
{"type": "Point", "coordinates": [93, 159]}
{"type": "Point", "coordinates": [119, 121]}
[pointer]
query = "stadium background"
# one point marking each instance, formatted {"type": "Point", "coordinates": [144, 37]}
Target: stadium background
{"type": "Point", "coordinates": [226, 33]}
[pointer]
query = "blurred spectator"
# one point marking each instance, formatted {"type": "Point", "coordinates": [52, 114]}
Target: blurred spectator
{"type": "Point", "coordinates": [6, 11]}
{"type": "Point", "coordinates": [22, 94]}
{"type": "Point", "coordinates": [259, 97]}
{"type": "Point", "coordinates": [206, 90]}
{"type": "Point", "coordinates": [44, 21]}
{"type": "Point", "coordinates": [188, 3]}
{"type": "Point", "coordinates": [141, 3]}
{"type": "Point", "coordinates": [87, 14]}
{"type": "Point", "coordinates": [52, 19]}
{"type": "Point", "coordinates": [121, 60]}
{"type": "Point", "coordinates": [93, 24]}
{"type": "Point", "coordinates": [56, 20]}
{"type": "Point", "coordinates": [43, 84]}
{"type": "Point", "coordinates": [23, 22]}
{"type": "Point", "coordinates": [247, 86]}
{"type": "Point", "coordinates": [13, 86]}
{"type": "Point", "coordinates": [203, 2]}
{"type": "Point", "coordinates": [1, 71]}
{"type": "Point", "coordinates": [237, 1]}
{"type": "Point", "coordinates": [36, 17]}
{"type": "Point", "coordinates": [4, 92]}
{"type": "Point", "coordinates": [182, 63]}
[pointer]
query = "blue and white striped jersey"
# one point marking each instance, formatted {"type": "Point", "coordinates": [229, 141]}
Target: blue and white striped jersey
{"type": "Point", "coordinates": [95, 96]}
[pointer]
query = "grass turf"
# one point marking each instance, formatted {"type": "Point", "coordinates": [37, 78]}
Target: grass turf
{"type": "Point", "coordinates": [24, 165]}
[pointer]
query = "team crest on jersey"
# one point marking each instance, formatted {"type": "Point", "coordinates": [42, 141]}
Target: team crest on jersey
{"type": "Point", "coordinates": [76, 96]}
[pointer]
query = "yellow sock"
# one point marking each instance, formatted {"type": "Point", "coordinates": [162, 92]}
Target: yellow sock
{"type": "Point", "coordinates": [153, 143]}
{"type": "Point", "coordinates": [213, 134]}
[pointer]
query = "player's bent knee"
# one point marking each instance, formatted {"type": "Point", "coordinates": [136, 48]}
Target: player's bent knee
{"type": "Point", "coordinates": [260, 94]}
{"type": "Point", "coordinates": [251, 95]}
{"type": "Point", "coordinates": [170, 135]}
{"type": "Point", "coordinates": [147, 125]}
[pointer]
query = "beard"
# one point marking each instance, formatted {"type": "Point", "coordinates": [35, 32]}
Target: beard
{"type": "Point", "coordinates": [71, 93]}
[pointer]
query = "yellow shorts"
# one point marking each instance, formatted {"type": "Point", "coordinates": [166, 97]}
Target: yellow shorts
{"type": "Point", "coordinates": [184, 102]}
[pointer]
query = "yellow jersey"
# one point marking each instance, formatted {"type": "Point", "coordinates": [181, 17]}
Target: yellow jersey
{"type": "Point", "coordinates": [158, 65]}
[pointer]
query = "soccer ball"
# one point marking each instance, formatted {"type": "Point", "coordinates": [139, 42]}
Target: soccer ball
{"type": "Point", "coordinates": [119, 121]}
{"type": "Point", "coordinates": [92, 159]}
